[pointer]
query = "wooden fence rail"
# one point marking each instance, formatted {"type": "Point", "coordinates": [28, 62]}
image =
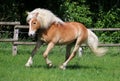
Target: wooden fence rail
{"type": "Point", "coordinates": [10, 23]}
{"type": "Point", "coordinates": [15, 41]}
{"type": "Point", "coordinates": [13, 24]}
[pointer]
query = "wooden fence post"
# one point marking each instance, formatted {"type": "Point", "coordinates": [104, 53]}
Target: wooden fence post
{"type": "Point", "coordinates": [15, 37]}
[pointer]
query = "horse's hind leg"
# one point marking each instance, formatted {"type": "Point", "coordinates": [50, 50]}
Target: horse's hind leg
{"type": "Point", "coordinates": [68, 51]}
{"type": "Point", "coordinates": [78, 43]}
{"type": "Point", "coordinates": [29, 62]}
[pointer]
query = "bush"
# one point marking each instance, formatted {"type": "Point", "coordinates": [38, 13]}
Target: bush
{"type": "Point", "coordinates": [72, 11]}
{"type": "Point", "coordinates": [108, 19]}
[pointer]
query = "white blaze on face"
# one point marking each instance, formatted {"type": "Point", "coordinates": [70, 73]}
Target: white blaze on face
{"type": "Point", "coordinates": [31, 31]}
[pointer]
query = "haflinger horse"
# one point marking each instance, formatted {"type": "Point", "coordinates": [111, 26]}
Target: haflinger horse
{"type": "Point", "coordinates": [53, 31]}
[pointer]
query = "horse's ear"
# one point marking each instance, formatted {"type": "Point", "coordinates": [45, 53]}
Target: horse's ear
{"type": "Point", "coordinates": [36, 14]}
{"type": "Point", "coordinates": [27, 12]}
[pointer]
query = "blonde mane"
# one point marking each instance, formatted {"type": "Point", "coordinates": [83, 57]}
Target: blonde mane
{"type": "Point", "coordinates": [45, 17]}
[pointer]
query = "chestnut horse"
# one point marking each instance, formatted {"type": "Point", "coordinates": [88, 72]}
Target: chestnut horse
{"type": "Point", "coordinates": [52, 30]}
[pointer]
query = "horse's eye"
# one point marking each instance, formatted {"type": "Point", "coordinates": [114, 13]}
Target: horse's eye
{"type": "Point", "coordinates": [34, 22]}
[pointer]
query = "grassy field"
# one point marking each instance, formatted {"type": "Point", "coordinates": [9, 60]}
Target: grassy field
{"type": "Point", "coordinates": [87, 68]}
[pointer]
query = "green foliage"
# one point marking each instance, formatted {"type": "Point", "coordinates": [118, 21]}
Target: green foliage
{"type": "Point", "coordinates": [76, 12]}
{"type": "Point", "coordinates": [109, 19]}
{"type": "Point", "coordinates": [9, 10]}
{"type": "Point", "coordinates": [92, 13]}
{"type": "Point", "coordinates": [109, 37]}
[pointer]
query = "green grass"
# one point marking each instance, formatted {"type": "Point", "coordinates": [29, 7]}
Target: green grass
{"type": "Point", "coordinates": [87, 68]}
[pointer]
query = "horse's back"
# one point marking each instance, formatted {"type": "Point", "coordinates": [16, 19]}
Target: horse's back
{"type": "Point", "coordinates": [70, 31]}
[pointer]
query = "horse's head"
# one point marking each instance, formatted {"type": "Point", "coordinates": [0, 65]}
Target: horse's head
{"type": "Point", "coordinates": [34, 24]}
{"type": "Point", "coordinates": [41, 18]}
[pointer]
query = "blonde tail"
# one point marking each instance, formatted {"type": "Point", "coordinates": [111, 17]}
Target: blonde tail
{"type": "Point", "coordinates": [93, 44]}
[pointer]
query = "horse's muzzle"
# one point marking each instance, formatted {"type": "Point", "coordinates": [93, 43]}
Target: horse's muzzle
{"type": "Point", "coordinates": [31, 34]}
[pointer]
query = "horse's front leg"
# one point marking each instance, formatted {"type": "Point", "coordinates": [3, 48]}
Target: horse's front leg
{"type": "Point", "coordinates": [30, 61]}
{"type": "Point", "coordinates": [45, 54]}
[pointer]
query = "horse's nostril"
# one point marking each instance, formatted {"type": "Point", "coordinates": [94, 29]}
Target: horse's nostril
{"type": "Point", "coordinates": [31, 35]}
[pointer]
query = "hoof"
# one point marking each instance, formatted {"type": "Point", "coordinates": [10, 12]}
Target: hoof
{"type": "Point", "coordinates": [50, 65]}
{"type": "Point", "coordinates": [62, 67]}
{"type": "Point", "coordinates": [28, 65]}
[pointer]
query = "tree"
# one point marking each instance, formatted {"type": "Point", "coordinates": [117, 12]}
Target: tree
{"type": "Point", "coordinates": [92, 13]}
{"type": "Point", "coordinates": [76, 11]}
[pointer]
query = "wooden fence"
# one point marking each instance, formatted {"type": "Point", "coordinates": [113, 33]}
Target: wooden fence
{"type": "Point", "coordinates": [12, 24]}
{"type": "Point", "coordinates": [15, 41]}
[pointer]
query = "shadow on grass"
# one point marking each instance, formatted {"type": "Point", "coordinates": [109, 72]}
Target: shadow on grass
{"type": "Point", "coordinates": [43, 66]}
{"type": "Point", "coordinates": [71, 67]}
